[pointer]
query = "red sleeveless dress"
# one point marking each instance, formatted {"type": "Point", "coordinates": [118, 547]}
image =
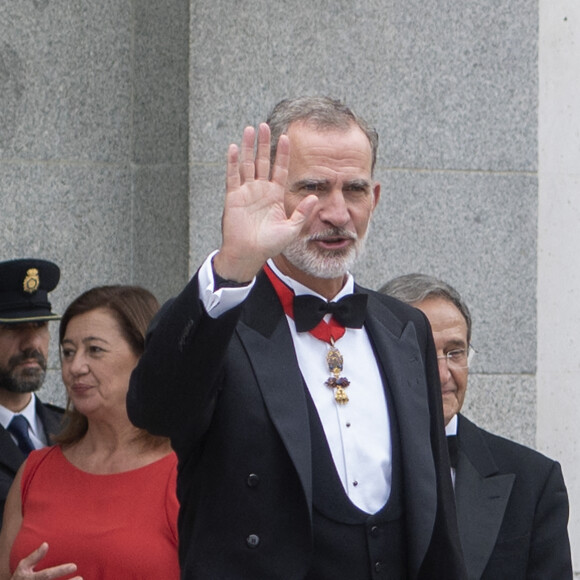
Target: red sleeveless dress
{"type": "Point", "coordinates": [122, 525]}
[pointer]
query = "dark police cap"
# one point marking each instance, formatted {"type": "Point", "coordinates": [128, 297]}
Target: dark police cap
{"type": "Point", "coordinates": [24, 288]}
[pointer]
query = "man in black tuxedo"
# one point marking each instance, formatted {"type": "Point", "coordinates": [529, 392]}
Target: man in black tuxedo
{"type": "Point", "coordinates": [25, 422]}
{"type": "Point", "coordinates": [310, 435]}
{"type": "Point", "coordinates": [512, 503]}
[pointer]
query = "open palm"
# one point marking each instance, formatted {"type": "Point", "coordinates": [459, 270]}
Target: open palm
{"type": "Point", "coordinates": [255, 226]}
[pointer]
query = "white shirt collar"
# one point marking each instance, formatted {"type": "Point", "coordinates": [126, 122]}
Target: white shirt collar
{"type": "Point", "coordinates": [300, 289]}
{"type": "Point", "coordinates": [29, 413]}
{"type": "Point", "coordinates": [451, 427]}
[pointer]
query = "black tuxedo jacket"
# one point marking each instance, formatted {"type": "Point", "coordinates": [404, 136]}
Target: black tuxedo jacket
{"type": "Point", "coordinates": [11, 458]}
{"type": "Point", "coordinates": [230, 394]}
{"type": "Point", "coordinates": [512, 508]}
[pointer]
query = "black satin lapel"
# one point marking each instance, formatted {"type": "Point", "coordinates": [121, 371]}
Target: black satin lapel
{"type": "Point", "coordinates": [274, 363]}
{"type": "Point", "coordinates": [481, 504]}
{"type": "Point", "coordinates": [405, 374]}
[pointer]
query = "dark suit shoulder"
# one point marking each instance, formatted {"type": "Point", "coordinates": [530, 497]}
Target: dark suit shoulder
{"type": "Point", "coordinates": [49, 407]}
{"type": "Point", "coordinates": [532, 540]}
{"type": "Point", "coordinates": [509, 455]}
{"type": "Point", "coordinates": [51, 416]}
{"type": "Point", "coordinates": [396, 315]}
{"type": "Point", "coordinates": [44, 409]}
{"type": "Point", "coordinates": [401, 310]}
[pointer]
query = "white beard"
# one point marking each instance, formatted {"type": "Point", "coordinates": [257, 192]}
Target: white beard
{"type": "Point", "coordinates": [325, 264]}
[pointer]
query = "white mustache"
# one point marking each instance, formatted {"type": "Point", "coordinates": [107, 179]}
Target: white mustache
{"type": "Point", "coordinates": [334, 233]}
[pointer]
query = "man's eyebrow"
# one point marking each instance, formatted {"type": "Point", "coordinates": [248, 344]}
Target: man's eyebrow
{"type": "Point", "coordinates": [456, 342]}
{"type": "Point", "coordinates": [349, 184]}
{"type": "Point", "coordinates": [297, 185]}
{"type": "Point", "coordinates": [360, 183]}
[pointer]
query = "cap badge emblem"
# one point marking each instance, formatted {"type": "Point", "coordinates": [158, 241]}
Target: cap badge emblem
{"type": "Point", "coordinates": [31, 282]}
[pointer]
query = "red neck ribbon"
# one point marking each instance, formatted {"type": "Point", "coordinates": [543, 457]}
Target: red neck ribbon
{"type": "Point", "coordinates": [329, 332]}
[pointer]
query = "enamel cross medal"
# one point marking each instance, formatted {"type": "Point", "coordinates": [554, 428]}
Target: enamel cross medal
{"type": "Point", "coordinates": [334, 361]}
{"type": "Point", "coordinates": [325, 331]}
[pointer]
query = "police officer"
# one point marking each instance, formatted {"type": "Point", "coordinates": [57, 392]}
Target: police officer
{"type": "Point", "coordinates": [25, 422]}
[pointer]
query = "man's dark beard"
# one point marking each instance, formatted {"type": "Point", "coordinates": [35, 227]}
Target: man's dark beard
{"type": "Point", "coordinates": [23, 380]}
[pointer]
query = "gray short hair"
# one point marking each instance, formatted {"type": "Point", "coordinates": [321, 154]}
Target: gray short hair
{"type": "Point", "coordinates": [414, 288]}
{"type": "Point", "coordinates": [322, 113]}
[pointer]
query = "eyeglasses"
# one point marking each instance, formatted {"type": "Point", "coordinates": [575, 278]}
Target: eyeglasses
{"type": "Point", "coordinates": [458, 358]}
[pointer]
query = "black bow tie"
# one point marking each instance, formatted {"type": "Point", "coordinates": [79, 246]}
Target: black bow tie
{"type": "Point", "coordinates": [453, 445]}
{"type": "Point", "coordinates": [349, 311]}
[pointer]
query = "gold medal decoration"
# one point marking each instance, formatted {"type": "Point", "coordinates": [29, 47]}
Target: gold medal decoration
{"type": "Point", "coordinates": [336, 382]}
{"type": "Point", "coordinates": [328, 332]}
{"type": "Point", "coordinates": [31, 282]}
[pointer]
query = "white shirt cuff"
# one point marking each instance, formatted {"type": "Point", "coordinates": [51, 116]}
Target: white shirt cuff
{"type": "Point", "coordinates": [222, 300]}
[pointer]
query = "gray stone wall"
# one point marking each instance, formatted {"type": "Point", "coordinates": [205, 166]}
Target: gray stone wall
{"type": "Point", "coordinates": [102, 171]}
{"type": "Point", "coordinates": [93, 144]}
{"type": "Point", "coordinates": [452, 88]}
{"type": "Point", "coordinates": [115, 117]}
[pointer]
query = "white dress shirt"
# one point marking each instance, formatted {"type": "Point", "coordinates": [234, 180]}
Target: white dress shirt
{"type": "Point", "coordinates": [358, 432]}
{"type": "Point", "coordinates": [451, 429]}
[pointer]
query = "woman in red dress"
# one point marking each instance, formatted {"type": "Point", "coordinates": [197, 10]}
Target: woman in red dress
{"type": "Point", "coordinates": [101, 504]}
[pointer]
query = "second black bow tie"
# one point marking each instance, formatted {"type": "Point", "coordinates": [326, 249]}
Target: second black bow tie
{"type": "Point", "coordinates": [349, 311]}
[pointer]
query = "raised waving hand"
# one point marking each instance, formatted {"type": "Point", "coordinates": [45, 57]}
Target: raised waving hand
{"type": "Point", "coordinates": [255, 226]}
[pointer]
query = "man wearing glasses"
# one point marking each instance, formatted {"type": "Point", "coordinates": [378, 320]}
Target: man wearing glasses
{"type": "Point", "coordinates": [512, 504]}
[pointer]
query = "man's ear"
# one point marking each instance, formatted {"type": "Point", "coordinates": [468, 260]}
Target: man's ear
{"type": "Point", "coordinates": [376, 193]}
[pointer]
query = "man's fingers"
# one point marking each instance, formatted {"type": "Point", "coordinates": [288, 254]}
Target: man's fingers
{"type": "Point", "coordinates": [233, 181]}
{"type": "Point", "coordinates": [263, 152]}
{"type": "Point", "coordinates": [280, 169]}
{"type": "Point", "coordinates": [303, 211]}
{"type": "Point", "coordinates": [247, 166]}
{"type": "Point", "coordinates": [243, 165]}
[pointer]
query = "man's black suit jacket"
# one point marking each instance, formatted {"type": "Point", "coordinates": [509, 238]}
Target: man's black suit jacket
{"type": "Point", "coordinates": [512, 507]}
{"type": "Point", "coordinates": [11, 458]}
{"type": "Point", "coordinates": [229, 393]}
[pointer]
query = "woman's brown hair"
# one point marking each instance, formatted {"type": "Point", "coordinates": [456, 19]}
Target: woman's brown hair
{"type": "Point", "coordinates": [133, 308]}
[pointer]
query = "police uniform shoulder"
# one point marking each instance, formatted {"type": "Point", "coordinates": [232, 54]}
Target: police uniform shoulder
{"type": "Point", "coordinates": [54, 408]}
